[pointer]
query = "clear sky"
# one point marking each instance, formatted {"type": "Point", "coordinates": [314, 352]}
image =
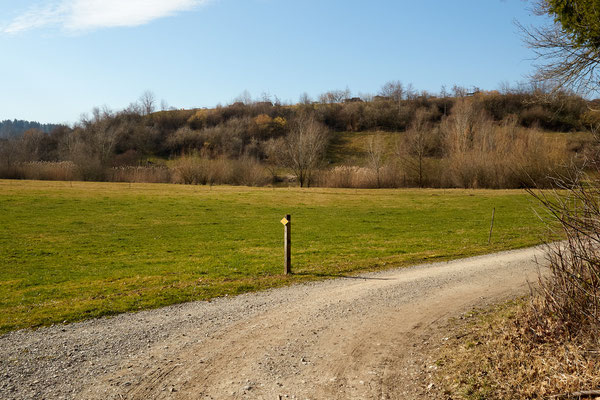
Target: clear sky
{"type": "Point", "coordinates": [60, 58]}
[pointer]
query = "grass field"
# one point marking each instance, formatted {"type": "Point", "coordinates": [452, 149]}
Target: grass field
{"type": "Point", "coordinates": [71, 251]}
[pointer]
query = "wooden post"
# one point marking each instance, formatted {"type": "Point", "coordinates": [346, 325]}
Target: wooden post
{"type": "Point", "coordinates": [492, 226]}
{"type": "Point", "coordinates": [287, 243]}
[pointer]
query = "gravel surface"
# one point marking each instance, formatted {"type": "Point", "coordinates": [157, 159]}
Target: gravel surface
{"type": "Point", "coordinates": [363, 337]}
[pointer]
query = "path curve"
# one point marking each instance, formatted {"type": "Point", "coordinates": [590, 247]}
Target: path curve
{"type": "Point", "coordinates": [362, 337]}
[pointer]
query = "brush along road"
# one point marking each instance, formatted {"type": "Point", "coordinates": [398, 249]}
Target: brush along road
{"type": "Point", "coordinates": [361, 337]}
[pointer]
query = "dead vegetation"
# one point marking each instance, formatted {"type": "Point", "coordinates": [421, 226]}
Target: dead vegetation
{"type": "Point", "coordinates": [500, 354]}
{"type": "Point", "coordinates": [399, 139]}
{"type": "Point", "coordinates": [548, 346]}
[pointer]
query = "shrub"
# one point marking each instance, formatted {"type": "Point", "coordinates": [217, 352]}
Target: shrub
{"type": "Point", "coordinates": [347, 177]}
{"type": "Point", "coordinates": [547, 347]}
{"type": "Point", "coordinates": [360, 177]}
{"type": "Point", "coordinates": [482, 154]}
{"type": "Point", "coordinates": [197, 170]}
{"type": "Point", "coordinates": [569, 301]}
{"type": "Point", "coordinates": [248, 171]}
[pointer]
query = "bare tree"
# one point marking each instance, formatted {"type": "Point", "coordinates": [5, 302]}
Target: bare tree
{"type": "Point", "coordinates": [415, 145]}
{"type": "Point", "coordinates": [459, 91]}
{"type": "Point", "coordinates": [394, 90]}
{"type": "Point", "coordinates": [444, 95]}
{"type": "Point", "coordinates": [366, 97]}
{"type": "Point", "coordinates": [164, 106]}
{"type": "Point", "coordinates": [335, 96]}
{"type": "Point", "coordinates": [92, 143]}
{"type": "Point", "coordinates": [459, 128]}
{"type": "Point", "coordinates": [134, 108]}
{"type": "Point", "coordinates": [32, 144]}
{"type": "Point", "coordinates": [302, 150]}
{"type": "Point", "coordinates": [10, 152]}
{"type": "Point", "coordinates": [376, 154]}
{"type": "Point", "coordinates": [103, 133]}
{"type": "Point", "coordinates": [410, 92]}
{"type": "Point", "coordinates": [148, 102]}
{"type": "Point", "coordinates": [566, 61]}
{"type": "Point", "coordinates": [305, 99]}
{"type": "Point", "coordinates": [245, 97]}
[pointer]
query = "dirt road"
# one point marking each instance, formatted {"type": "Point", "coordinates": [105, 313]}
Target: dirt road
{"type": "Point", "coordinates": [363, 337]}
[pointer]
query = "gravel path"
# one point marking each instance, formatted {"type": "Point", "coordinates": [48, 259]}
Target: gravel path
{"type": "Point", "coordinates": [364, 337]}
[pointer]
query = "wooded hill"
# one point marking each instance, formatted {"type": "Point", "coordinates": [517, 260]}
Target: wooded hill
{"type": "Point", "coordinates": [17, 127]}
{"type": "Point", "coordinates": [482, 139]}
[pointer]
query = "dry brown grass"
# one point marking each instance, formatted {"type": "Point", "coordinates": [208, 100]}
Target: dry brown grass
{"type": "Point", "coordinates": [348, 176]}
{"type": "Point", "coordinates": [496, 354]}
{"type": "Point", "coordinates": [44, 170]}
{"type": "Point", "coordinates": [198, 170]}
{"type": "Point", "coordinates": [550, 345]}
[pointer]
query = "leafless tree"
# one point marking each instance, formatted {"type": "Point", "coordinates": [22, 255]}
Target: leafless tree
{"type": "Point", "coordinates": [245, 97]}
{"type": "Point", "coordinates": [415, 145]}
{"type": "Point", "coordinates": [164, 106]}
{"type": "Point", "coordinates": [563, 62]}
{"type": "Point", "coordinates": [394, 90]}
{"type": "Point", "coordinates": [366, 97]}
{"type": "Point", "coordinates": [10, 152]}
{"type": "Point", "coordinates": [91, 145]}
{"type": "Point", "coordinates": [305, 99]}
{"type": "Point", "coordinates": [134, 108]}
{"type": "Point", "coordinates": [459, 91]}
{"type": "Point", "coordinates": [410, 92]}
{"type": "Point", "coordinates": [335, 96]}
{"type": "Point", "coordinates": [31, 143]}
{"type": "Point", "coordinates": [266, 97]}
{"type": "Point", "coordinates": [148, 102]}
{"type": "Point", "coordinates": [302, 150]}
{"type": "Point", "coordinates": [459, 128]}
{"type": "Point", "coordinates": [376, 154]}
{"type": "Point", "coordinates": [444, 95]}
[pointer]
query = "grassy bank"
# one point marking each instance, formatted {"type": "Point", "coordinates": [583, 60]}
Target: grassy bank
{"type": "Point", "coordinates": [70, 251]}
{"type": "Point", "coordinates": [495, 354]}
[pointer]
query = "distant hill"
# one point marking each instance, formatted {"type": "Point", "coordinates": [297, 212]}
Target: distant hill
{"type": "Point", "coordinates": [16, 128]}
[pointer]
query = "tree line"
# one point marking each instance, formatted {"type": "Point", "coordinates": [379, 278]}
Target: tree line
{"type": "Point", "coordinates": [291, 140]}
{"type": "Point", "coordinates": [15, 128]}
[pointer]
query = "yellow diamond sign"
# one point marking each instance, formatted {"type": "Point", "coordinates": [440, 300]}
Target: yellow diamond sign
{"type": "Point", "coordinates": [285, 221]}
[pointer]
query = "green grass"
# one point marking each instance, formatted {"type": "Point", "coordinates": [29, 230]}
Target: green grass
{"type": "Point", "coordinates": [74, 251]}
{"type": "Point", "coordinates": [351, 148]}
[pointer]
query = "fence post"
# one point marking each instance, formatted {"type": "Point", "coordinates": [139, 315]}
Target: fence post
{"type": "Point", "coordinates": [287, 243]}
{"type": "Point", "coordinates": [492, 226]}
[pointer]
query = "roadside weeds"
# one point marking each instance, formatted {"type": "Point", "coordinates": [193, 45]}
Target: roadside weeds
{"type": "Point", "coordinates": [495, 354]}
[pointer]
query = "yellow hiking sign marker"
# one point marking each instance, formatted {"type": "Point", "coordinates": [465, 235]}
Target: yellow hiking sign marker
{"type": "Point", "coordinates": [284, 221]}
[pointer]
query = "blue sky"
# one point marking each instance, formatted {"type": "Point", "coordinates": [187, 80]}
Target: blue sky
{"type": "Point", "coordinates": [60, 58]}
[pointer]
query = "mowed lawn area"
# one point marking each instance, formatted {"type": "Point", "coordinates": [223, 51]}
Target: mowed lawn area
{"type": "Point", "coordinates": [71, 251]}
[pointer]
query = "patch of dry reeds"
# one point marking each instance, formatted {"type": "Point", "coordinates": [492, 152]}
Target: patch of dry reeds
{"type": "Point", "coordinates": [360, 177]}
{"type": "Point", "coordinates": [42, 170]}
{"type": "Point", "coordinates": [141, 174]}
{"type": "Point", "coordinates": [197, 170]}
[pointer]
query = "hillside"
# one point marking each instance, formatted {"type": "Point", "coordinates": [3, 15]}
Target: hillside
{"type": "Point", "coordinates": [488, 139]}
